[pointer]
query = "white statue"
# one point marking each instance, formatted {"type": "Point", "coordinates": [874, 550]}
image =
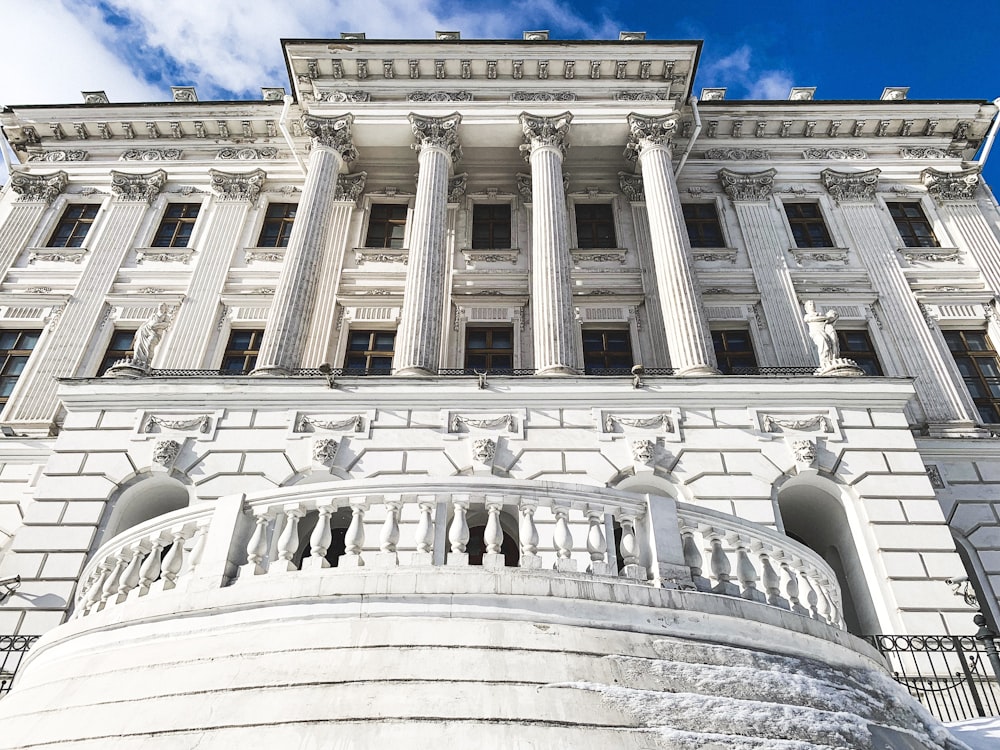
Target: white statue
{"type": "Point", "coordinates": [823, 334]}
{"type": "Point", "coordinates": [149, 335]}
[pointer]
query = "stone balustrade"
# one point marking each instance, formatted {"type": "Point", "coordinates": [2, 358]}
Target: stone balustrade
{"type": "Point", "coordinates": [540, 528]}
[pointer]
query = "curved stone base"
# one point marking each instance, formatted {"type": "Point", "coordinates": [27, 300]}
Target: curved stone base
{"type": "Point", "coordinates": [697, 371]}
{"type": "Point", "coordinates": [840, 368]}
{"type": "Point", "coordinates": [415, 372]}
{"type": "Point", "coordinates": [502, 660]}
{"type": "Point", "coordinates": [556, 370]}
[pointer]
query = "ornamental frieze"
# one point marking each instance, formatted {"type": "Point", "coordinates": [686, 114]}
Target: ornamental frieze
{"type": "Point", "coordinates": [642, 96]}
{"type": "Point", "coordinates": [61, 155]}
{"type": "Point", "coordinates": [737, 154]}
{"type": "Point", "coordinates": [951, 186]}
{"type": "Point", "coordinates": [151, 154]}
{"type": "Point", "coordinates": [137, 187]}
{"type": "Point", "coordinates": [851, 186]}
{"type": "Point", "coordinates": [543, 96]}
{"type": "Point", "coordinates": [38, 187]}
{"type": "Point", "coordinates": [343, 96]}
{"type": "Point", "coordinates": [748, 186]}
{"type": "Point", "coordinates": [439, 96]}
{"type": "Point", "coordinates": [246, 153]}
{"type": "Point", "coordinates": [839, 154]}
{"type": "Point", "coordinates": [923, 153]}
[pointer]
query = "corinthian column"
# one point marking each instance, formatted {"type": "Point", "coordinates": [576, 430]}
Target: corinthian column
{"type": "Point", "coordinates": [418, 343]}
{"type": "Point", "coordinates": [688, 339]}
{"type": "Point", "coordinates": [35, 193]}
{"type": "Point", "coordinates": [554, 330]}
{"type": "Point", "coordinates": [295, 295]}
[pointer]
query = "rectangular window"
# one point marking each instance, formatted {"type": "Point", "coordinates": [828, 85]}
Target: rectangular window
{"type": "Point", "coordinates": [74, 224]}
{"type": "Point", "coordinates": [15, 348]}
{"type": "Point", "coordinates": [607, 352]}
{"type": "Point", "coordinates": [118, 349]}
{"type": "Point", "coordinates": [386, 225]}
{"type": "Point", "coordinates": [489, 349]}
{"type": "Point", "coordinates": [242, 350]}
{"type": "Point", "coordinates": [734, 352]}
{"type": "Point", "coordinates": [369, 353]}
{"type": "Point", "coordinates": [857, 345]}
{"type": "Point", "coordinates": [808, 227]}
{"type": "Point", "coordinates": [595, 225]}
{"type": "Point", "coordinates": [277, 227]}
{"type": "Point", "coordinates": [703, 227]}
{"type": "Point", "coordinates": [977, 361]}
{"type": "Point", "coordinates": [176, 225]}
{"type": "Point", "coordinates": [491, 226]}
{"type": "Point", "coordinates": [912, 224]}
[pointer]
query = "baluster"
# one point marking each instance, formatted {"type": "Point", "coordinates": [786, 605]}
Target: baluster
{"type": "Point", "coordinates": [746, 573]}
{"type": "Point", "coordinates": [562, 540]}
{"type": "Point", "coordinates": [197, 547]}
{"type": "Point", "coordinates": [354, 541]}
{"type": "Point", "coordinates": [811, 598]}
{"type": "Point", "coordinates": [597, 544]}
{"type": "Point", "coordinates": [82, 592]}
{"type": "Point", "coordinates": [130, 576]}
{"type": "Point", "coordinates": [629, 548]}
{"type": "Point", "coordinates": [772, 582]}
{"type": "Point", "coordinates": [825, 606]}
{"type": "Point", "coordinates": [111, 584]}
{"type": "Point", "coordinates": [423, 537]}
{"type": "Point", "coordinates": [493, 536]}
{"type": "Point", "coordinates": [150, 569]}
{"type": "Point", "coordinates": [458, 533]}
{"type": "Point", "coordinates": [694, 558]}
{"type": "Point", "coordinates": [721, 568]}
{"type": "Point", "coordinates": [529, 535]}
{"type": "Point", "coordinates": [288, 541]}
{"type": "Point", "coordinates": [257, 546]}
{"type": "Point", "coordinates": [173, 561]}
{"type": "Point", "coordinates": [321, 538]}
{"type": "Point", "coordinates": [388, 537]}
{"type": "Point", "coordinates": [97, 587]}
{"type": "Point", "coordinates": [792, 589]}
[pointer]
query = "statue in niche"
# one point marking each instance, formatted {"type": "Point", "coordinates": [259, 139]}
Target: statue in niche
{"type": "Point", "coordinates": [823, 333]}
{"type": "Point", "coordinates": [148, 336]}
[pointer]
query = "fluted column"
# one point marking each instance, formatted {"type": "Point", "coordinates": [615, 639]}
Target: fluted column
{"type": "Point", "coordinates": [113, 234]}
{"type": "Point", "coordinates": [553, 328]}
{"type": "Point", "coordinates": [35, 194]}
{"type": "Point", "coordinates": [688, 338]}
{"type": "Point", "coordinates": [936, 379]}
{"type": "Point", "coordinates": [418, 343]}
{"type": "Point", "coordinates": [766, 245]}
{"type": "Point", "coordinates": [295, 296]}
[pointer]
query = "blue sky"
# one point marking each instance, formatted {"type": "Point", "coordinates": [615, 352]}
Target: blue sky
{"type": "Point", "coordinates": [137, 49]}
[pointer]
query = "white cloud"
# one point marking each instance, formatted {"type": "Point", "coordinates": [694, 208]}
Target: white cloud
{"type": "Point", "coordinates": [736, 72]}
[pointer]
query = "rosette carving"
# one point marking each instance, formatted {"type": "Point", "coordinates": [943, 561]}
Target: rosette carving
{"type": "Point", "coordinates": [437, 132]}
{"type": "Point", "coordinates": [137, 187]}
{"type": "Point", "coordinates": [333, 132]}
{"type": "Point", "coordinates": [38, 187]}
{"type": "Point", "coordinates": [545, 131]}
{"type": "Point", "coordinates": [235, 186]}
{"type": "Point", "coordinates": [645, 132]}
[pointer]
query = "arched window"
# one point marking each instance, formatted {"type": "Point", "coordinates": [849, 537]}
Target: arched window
{"type": "Point", "coordinates": [143, 499]}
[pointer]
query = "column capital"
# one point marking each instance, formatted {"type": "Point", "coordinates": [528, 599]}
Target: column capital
{"type": "Point", "coordinates": [137, 187]}
{"type": "Point", "coordinates": [38, 187]}
{"type": "Point", "coordinates": [545, 131]}
{"type": "Point", "coordinates": [748, 186]}
{"type": "Point", "coordinates": [333, 132]}
{"type": "Point", "coordinates": [350, 186]}
{"type": "Point", "coordinates": [851, 187]}
{"type": "Point", "coordinates": [951, 186]}
{"type": "Point", "coordinates": [238, 186]}
{"type": "Point", "coordinates": [437, 132]}
{"type": "Point", "coordinates": [645, 131]}
{"type": "Point", "coordinates": [457, 186]}
{"type": "Point", "coordinates": [632, 186]}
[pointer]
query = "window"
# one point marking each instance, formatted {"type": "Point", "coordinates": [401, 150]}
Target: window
{"type": "Point", "coordinates": [242, 350]}
{"type": "Point", "coordinates": [277, 225]}
{"type": "Point", "coordinates": [734, 352]}
{"type": "Point", "coordinates": [369, 353]}
{"type": "Point", "coordinates": [176, 225]}
{"type": "Point", "coordinates": [703, 225]}
{"type": "Point", "coordinates": [857, 345]}
{"type": "Point", "coordinates": [72, 228]}
{"type": "Point", "coordinates": [118, 349]}
{"type": "Point", "coordinates": [490, 226]}
{"type": "Point", "coordinates": [595, 225]}
{"type": "Point", "coordinates": [15, 348]}
{"type": "Point", "coordinates": [489, 348]}
{"type": "Point", "coordinates": [386, 225]}
{"type": "Point", "coordinates": [912, 225]}
{"type": "Point", "coordinates": [605, 350]}
{"type": "Point", "coordinates": [808, 227]}
{"type": "Point", "coordinates": [977, 361]}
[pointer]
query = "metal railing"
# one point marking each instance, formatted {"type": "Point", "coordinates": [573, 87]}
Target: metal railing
{"type": "Point", "coordinates": [461, 372]}
{"type": "Point", "coordinates": [12, 651]}
{"type": "Point", "coordinates": [954, 677]}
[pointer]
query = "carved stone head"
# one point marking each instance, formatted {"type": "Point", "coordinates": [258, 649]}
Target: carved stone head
{"type": "Point", "coordinates": [324, 450]}
{"type": "Point", "coordinates": [642, 451]}
{"type": "Point", "coordinates": [165, 452]}
{"type": "Point", "coordinates": [484, 449]}
{"type": "Point", "coordinates": [805, 452]}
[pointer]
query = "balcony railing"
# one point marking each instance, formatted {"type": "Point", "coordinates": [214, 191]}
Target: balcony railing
{"type": "Point", "coordinates": [466, 372]}
{"type": "Point", "coordinates": [12, 651]}
{"type": "Point", "coordinates": [556, 529]}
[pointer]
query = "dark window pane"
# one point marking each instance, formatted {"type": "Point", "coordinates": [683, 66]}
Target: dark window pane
{"type": "Point", "coordinates": [491, 226]}
{"type": "Point", "coordinates": [489, 348]}
{"type": "Point", "coordinates": [277, 226]}
{"type": "Point", "coordinates": [595, 226]}
{"type": "Point", "coordinates": [606, 349]}
{"type": "Point", "coordinates": [74, 225]}
{"type": "Point", "coordinates": [370, 351]}
{"type": "Point", "coordinates": [386, 225]}
{"type": "Point", "coordinates": [978, 365]}
{"type": "Point", "coordinates": [733, 350]}
{"type": "Point", "coordinates": [914, 228]}
{"type": "Point", "coordinates": [808, 227]}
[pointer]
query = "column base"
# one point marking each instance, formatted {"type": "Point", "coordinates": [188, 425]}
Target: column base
{"type": "Point", "coordinates": [840, 368]}
{"type": "Point", "coordinates": [415, 372]}
{"type": "Point", "coordinates": [270, 371]}
{"type": "Point", "coordinates": [697, 371]}
{"type": "Point", "coordinates": [556, 370]}
{"type": "Point", "coordinates": [125, 369]}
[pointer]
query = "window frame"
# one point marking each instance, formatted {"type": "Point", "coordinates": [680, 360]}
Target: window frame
{"type": "Point", "coordinates": [370, 215]}
{"type": "Point", "coordinates": [624, 329]}
{"type": "Point", "coordinates": [189, 221]}
{"type": "Point", "coordinates": [489, 351]}
{"type": "Point", "coordinates": [615, 228]}
{"type": "Point", "coordinates": [284, 221]}
{"type": "Point", "coordinates": [113, 355]}
{"type": "Point", "coordinates": [806, 242]}
{"type": "Point", "coordinates": [510, 225]}
{"type": "Point", "coordinates": [718, 222]}
{"type": "Point", "coordinates": [867, 355]}
{"type": "Point", "coordinates": [370, 353]}
{"type": "Point", "coordinates": [88, 222]}
{"type": "Point", "coordinates": [725, 357]}
{"type": "Point", "coordinates": [228, 352]}
{"type": "Point", "coordinates": [927, 219]}
{"type": "Point", "coordinates": [6, 354]}
{"type": "Point", "coordinates": [992, 402]}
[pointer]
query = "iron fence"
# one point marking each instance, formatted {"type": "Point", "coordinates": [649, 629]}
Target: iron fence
{"type": "Point", "coordinates": [12, 650]}
{"type": "Point", "coordinates": [954, 677]}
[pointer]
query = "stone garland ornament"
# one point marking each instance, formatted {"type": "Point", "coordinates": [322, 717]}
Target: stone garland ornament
{"type": "Point", "coordinates": [748, 186]}
{"type": "Point", "coordinates": [165, 452]}
{"type": "Point", "coordinates": [642, 96]}
{"type": "Point", "coordinates": [354, 424]}
{"type": "Point", "coordinates": [645, 132]}
{"type": "Point", "coordinates": [644, 422]}
{"type": "Point", "coordinates": [851, 187]}
{"type": "Point", "coordinates": [333, 132]}
{"type": "Point", "coordinates": [137, 187]}
{"type": "Point", "coordinates": [201, 423]}
{"type": "Point", "coordinates": [234, 186]}
{"type": "Point", "coordinates": [437, 132]}
{"type": "Point", "coordinates": [506, 420]}
{"type": "Point", "coordinates": [38, 187]}
{"type": "Point", "coordinates": [824, 335]}
{"type": "Point", "coordinates": [923, 153]}
{"type": "Point", "coordinates": [951, 186]}
{"type": "Point", "coordinates": [339, 97]}
{"type": "Point", "coordinates": [819, 421]}
{"type": "Point", "coordinates": [545, 131]}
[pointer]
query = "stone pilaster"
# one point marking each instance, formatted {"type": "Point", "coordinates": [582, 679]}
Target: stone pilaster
{"type": "Point", "coordinates": [418, 343]}
{"type": "Point", "coordinates": [554, 330]}
{"type": "Point", "coordinates": [946, 408]}
{"type": "Point", "coordinates": [688, 338]}
{"type": "Point", "coordinates": [35, 193]}
{"type": "Point", "coordinates": [766, 245]}
{"type": "Point", "coordinates": [218, 240]}
{"type": "Point", "coordinates": [112, 236]}
{"type": "Point", "coordinates": [295, 296]}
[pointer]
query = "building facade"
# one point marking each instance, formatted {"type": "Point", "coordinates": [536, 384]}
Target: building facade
{"type": "Point", "coordinates": [496, 387]}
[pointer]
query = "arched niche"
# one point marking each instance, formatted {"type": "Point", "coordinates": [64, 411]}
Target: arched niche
{"type": "Point", "coordinates": [142, 499]}
{"type": "Point", "coordinates": [812, 512]}
{"type": "Point", "coordinates": [988, 603]}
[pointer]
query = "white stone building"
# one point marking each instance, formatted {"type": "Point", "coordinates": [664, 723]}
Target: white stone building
{"type": "Point", "coordinates": [321, 425]}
